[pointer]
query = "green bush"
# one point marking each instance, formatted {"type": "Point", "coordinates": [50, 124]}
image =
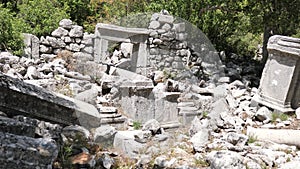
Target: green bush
{"type": "Point", "coordinates": [41, 17]}
{"type": "Point", "coordinates": [10, 38]}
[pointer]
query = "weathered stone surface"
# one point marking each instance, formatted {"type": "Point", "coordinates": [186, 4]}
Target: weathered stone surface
{"type": "Point", "coordinates": [19, 98]}
{"type": "Point", "coordinates": [26, 152]}
{"type": "Point", "coordinates": [151, 125]}
{"type": "Point", "coordinates": [76, 31]}
{"type": "Point", "coordinates": [31, 45]}
{"type": "Point", "coordinates": [200, 139]}
{"type": "Point", "coordinates": [105, 135]}
{"type": "Point", "coordinates": [124, 141]}
{"type": "Point", "coordinates": [55, 42]}
{"type": "Point", "coordinates": [66, 23]}
{"type": "Point", "coordinates": [74, 131]}
{"type": "Point", "coordinates": [282, 136]}
{"type": "Point", "coordinates": [60, 32]}
{"type": "Point", "coordinates": [290, 165]}
{"type": "Point", "coordinates": [280, 85]}
{"type": "Point", "coordinates": [42, 128]}
{"type": "Point", "coordinates": [225, 160]}
{"type": "Point", "coordinates": [13, 126]}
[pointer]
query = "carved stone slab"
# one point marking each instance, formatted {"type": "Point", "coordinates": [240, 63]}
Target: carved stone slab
{"type": "Point", "coordinates": [20, 98]}
{"type": "Point", "coordinates": [280, 83]}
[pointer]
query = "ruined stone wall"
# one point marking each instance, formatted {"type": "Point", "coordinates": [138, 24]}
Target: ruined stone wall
{"type": "Point", "coordinates": [168, 46]}
{"type": "Point", "coordinates": [66, 37]}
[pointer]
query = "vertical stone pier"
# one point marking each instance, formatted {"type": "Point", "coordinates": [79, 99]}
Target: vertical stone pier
{"type": "Point", "coordinates": [280, 82]}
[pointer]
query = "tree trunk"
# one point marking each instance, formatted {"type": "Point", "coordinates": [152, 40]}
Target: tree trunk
{"type": "Point", "coordinates": [266, 37]}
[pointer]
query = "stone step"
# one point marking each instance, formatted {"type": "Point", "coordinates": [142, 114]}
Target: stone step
{"type": "Point", "coordinates": [121, 119]}
{"type": "Point", "coordinates": [188, 109]}
{"type": "Point", "coordinates": [113, 115]}
{"type": "Point", "coordinates": [107, 110]}
{"type": "Point", "coordinates": [189, 113]}
{"type": "Point", "coordinates": [185, 104]}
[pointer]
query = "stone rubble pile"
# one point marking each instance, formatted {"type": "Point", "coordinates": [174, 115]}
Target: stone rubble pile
{"type": "Point", "coordinates": [109, 117]}
{"type": "Point", "coordinates": [218, 118]}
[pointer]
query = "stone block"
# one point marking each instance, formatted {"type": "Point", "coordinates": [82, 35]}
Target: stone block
{"type": "Point", "coordinates": [179, 27]}
{"type": "Point", "coordinates": [13, 126]}
{"type": "Point", "coordinates": [165, 19]}
{"type": "Point", "coordinates": [124, 141]}
{"type": "Point", "coordinates": [20, 98]}
{"type": "Point", "coordinates": [26, 152]}
{"type": "Point", "coordinates": [76, 31]}
{"type": "Point", "coordinates": [280, 83]}
{"type": "Point", "coordinates": [60, 32]}
{"type": "Point", "coordinates": [66, 23]}
{"type": "Point", "coordinates": [154, 25]}
{"type": "Point", "coordinates": [32, 44]}
{"type": "Point", "coordinates": [56, 43]}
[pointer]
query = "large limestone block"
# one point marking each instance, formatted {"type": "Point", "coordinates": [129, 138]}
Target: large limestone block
{"type": "Point", "coordinates": [280, 83]}
{"type": "Point", "coordinates": [20, 98]}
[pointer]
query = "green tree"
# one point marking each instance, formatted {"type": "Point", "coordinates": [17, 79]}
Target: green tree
{"type": "Point", "coordinates": [10, 36]}
{"type": "Point", "coordinates": [78, 10]}
{"type": "Point", "coordinates": [41, 16]}
{"type": "Point", "coordinates": [274, 17]}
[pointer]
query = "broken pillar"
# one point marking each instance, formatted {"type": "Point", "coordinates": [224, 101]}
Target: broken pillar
{"type": "Point", "coordinates": [280, 82]}
{"type": "Point", "coordinates": [20, 98]}
{"type": "Point", "coordinates": [32, 46]}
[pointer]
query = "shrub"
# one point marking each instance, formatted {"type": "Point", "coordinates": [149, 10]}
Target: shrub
{"type": "Point", "coordinates": [10, 37]}
{"type": "Point", "coordinates": [41, 16]}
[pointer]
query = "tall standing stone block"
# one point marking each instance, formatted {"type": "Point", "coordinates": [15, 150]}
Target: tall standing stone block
{"type": "Point", "coordinates": [280, 83]}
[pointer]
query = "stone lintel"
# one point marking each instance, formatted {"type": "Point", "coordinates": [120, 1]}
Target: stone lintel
{"type": "Point", "coordinates": [119, 33]}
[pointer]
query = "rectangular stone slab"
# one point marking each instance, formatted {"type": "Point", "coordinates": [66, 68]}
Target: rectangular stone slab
{"type": "Point", "coordinates": [20, 98]}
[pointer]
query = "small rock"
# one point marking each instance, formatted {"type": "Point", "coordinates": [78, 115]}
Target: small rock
{"type": "Point", "coordinates": [236, 139]}
{"type": "Point", "coordinates": [195, 126]}
{"type": "Point", "coordinates": [76, 31]}
{"type": "Point", "coordinates": [225, 160]}
{"type": "Point", "coordinates": [77, 75]}
{"type": "Point", "coordinates": [66, 23]}
{"type": "Point", "coordinates": [59, 32]}
{"type": "Point", "coordinates": [263, 114]}
{"type": "Point", "coordinates": [106, 161]}
{"type": "Point", "coordinates": [200, 139]}
{"type": "Point", "coordinates": [152, 125]}
{"type": "Point", "coordinates": [75, 130]}
{"type": "Point", "coordinates": [32, 73]}
{"type": "Point", "coordinates": [105, 135]}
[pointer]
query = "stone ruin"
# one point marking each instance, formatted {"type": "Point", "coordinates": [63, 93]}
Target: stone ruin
{"type": "Point", "coordinates": [165, 76]}
{"type": "Point", "coordinates": [280, 83]}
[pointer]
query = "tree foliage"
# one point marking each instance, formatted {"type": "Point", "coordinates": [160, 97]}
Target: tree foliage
{"type": "Point", "coordinates": [41, 16]}
{"type": "Point", "coordinates": [10, 36]}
